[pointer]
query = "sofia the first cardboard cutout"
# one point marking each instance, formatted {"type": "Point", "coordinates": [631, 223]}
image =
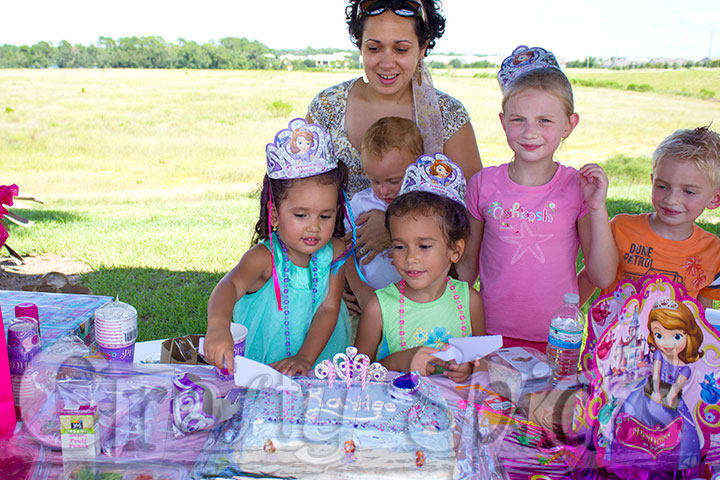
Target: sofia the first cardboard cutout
{"type": "Point", "coordinates": [652, 361]}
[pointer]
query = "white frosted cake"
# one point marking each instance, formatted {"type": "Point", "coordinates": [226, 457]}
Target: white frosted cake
{"type": "Point", "coordinates": [324, 432]}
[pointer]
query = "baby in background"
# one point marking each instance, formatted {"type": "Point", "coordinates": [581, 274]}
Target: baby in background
{"type": "Point", "coordinates": [685, 181]}
{"type": "Point", "coordinates": [389, 146]}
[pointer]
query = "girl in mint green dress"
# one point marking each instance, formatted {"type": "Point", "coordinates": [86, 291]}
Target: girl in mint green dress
{"type": "Point", "coordinates": [287, 289]}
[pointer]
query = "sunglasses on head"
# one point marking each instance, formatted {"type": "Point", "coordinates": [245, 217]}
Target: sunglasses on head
{"type": "Point", "coordinates": [403, 8]}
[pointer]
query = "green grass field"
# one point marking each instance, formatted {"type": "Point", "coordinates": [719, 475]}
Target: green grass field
{"type": "Point", "coordinates": [150, 176]}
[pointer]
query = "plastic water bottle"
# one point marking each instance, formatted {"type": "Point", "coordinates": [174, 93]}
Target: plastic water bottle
{"type": "Point", "coordinates": [565, 339]}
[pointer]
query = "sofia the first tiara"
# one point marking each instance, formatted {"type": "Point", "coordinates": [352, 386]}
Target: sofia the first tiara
{"type": "Point", "coordinates": [301, 150]}
{"type": "Point", "coordinates": [523, 60]}
{"type": "Point", "coordinates": [666, 302]}
{"type": "Point", "coordinates": [435, 174]}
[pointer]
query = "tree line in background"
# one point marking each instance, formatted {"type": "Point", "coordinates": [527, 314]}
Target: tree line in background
{"type": "Point", "coordinates": [144, 52]}
{"type": "Point", "coordinates": [228, 53]}
{"type": "Point", "coordinates": [628, 64]}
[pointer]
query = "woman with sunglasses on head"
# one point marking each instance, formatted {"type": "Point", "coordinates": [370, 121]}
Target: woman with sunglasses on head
{"type": "Point", "coordinates": [393, 36]}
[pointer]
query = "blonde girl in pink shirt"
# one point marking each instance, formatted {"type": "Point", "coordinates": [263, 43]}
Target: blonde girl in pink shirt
{"type": "Point", "coordinates": [530, 216]}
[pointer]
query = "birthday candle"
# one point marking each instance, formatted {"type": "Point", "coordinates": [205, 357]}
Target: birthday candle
{"type": "Point", "coordinates": [331, 373]}
{"type": "Point", "coordinates": [364, 372]}
{"type": "Point", "coordinates": [348, 373]}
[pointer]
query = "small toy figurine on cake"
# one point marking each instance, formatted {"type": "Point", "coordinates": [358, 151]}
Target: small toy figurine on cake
{"type": "Point", "coordinates": [297, 261]}
{"type": "Point", "coordinates": [407, 322]}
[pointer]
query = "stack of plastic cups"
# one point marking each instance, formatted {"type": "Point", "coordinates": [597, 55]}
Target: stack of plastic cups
{"type": "Point", "coordinates": [23, 343]}
{"type": "Point", "coordinates": [116, 330]}
{"type": "Point", "coordinates": [20, 388]}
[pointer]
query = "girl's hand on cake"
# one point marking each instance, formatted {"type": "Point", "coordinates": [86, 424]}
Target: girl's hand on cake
{"type": "Point", "coordinates": [295, 365]}
{"type": "Point", "coordinates": [458, 373]}
{"type": "Point", "coordinates": [424, 361]}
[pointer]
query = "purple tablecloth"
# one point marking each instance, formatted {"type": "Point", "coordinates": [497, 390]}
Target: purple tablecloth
{"type": "Point", "coordinates": [60, 314]}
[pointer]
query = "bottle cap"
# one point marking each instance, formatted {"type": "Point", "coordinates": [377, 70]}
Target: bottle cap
{"type": "Point", "coordinates": [572, 298]}
{"type": "Point", "coordinates": [27, 309]}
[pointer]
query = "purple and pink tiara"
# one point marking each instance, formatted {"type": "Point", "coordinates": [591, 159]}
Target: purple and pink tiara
{"type": "Point", "coordinates": [301, 150]}
{"type": "Point", "coordinates": [350, 367]}
{"type": "Point", "coordinates": [523, 60]}
{"type": "Point", "coordinates": [435, 174]}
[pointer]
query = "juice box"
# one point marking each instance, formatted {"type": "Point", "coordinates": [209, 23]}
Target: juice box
{"type": "Point", "coordinates": [79, 432]}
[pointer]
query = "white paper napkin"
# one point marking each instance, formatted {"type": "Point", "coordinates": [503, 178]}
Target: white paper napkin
{"type": "Point", "coordinates": [467, 349]}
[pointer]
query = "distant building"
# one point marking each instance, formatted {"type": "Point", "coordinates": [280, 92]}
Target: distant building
{"type": "Point", "coordinates": [325, 60]}
{"type": "Point", "coordinates": [464, 59]}
{"type": "Point", "coordinates": [625, 62]}
{"type": "Point", "coordinates": [331, 60]}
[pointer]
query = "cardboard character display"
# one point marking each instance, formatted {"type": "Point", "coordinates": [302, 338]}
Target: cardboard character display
{"type": "Point", "coordinates": [651, 362]}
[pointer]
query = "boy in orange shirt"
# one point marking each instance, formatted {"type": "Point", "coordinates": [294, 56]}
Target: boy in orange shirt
{"type": "Point", "coordinates": [685, 181]}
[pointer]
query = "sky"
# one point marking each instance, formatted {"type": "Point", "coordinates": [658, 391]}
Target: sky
{"type": "Point", "coordinates": [572, 29]}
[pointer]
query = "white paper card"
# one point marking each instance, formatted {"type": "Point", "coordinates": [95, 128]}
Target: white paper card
{"type": "Point", "coordinates": [252, 374]}
{"type": "Point", "coordinates": [467, 349]}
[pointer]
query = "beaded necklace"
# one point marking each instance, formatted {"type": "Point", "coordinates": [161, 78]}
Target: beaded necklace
{"type": "Point", "coordinates": [286, 300]}
{"type": "Point", "coordinates": [401, 311]}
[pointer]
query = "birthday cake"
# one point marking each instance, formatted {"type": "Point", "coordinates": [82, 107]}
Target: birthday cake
{"type": "Point", "coordinates": [339, 432]}
{"type": "Point", "coordinates": [347, 423]}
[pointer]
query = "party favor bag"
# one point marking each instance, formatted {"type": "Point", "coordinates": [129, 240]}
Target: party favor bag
{"type": "Point", "coordinates": [182, 350]}
{"type": "Point", "coordinates": [653, 399]}
{"type": "Point", "coordinates": [7, 404]}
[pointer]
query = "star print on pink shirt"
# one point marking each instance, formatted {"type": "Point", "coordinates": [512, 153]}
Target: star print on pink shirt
{"type": "Point", "coordinates": [527, 241]}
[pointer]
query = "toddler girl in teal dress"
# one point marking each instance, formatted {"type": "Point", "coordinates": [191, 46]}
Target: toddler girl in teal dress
{"type": "Point", "coordinates": [287, 289]}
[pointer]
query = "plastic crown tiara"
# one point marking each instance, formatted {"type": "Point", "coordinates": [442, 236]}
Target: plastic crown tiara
{"type": "Point", "coordinates": [435, 174]}
{"type": "Point", "coordinates": [301, 150]}
{"type": "Point", "coordinates": [666, 302]}
{"type": "Point", "coordinates": [523, 60]}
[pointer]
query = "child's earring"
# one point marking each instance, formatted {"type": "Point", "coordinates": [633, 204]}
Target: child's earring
{"type": "Point", "coordinates": [273, 220]}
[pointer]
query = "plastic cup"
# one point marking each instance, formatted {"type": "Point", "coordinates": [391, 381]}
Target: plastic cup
{"type": "Point", "coordinates": [119, 354]}
{"type": "Point", "coordinates": [239, 333]}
